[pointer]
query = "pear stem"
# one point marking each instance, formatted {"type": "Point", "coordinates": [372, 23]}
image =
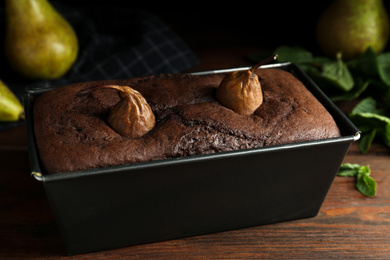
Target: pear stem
{"type": "Point", "coordinates": [265, 61]}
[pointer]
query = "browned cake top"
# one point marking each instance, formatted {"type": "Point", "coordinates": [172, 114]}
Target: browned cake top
{"type": "Point", "coordinates": [72, 133]}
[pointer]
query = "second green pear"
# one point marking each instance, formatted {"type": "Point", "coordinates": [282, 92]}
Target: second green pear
{"type": "Point", "coordinates": [351, 26]}
{"type": "Point", "coordinates": [11, 109]}
{"type": "Point", "coordinates": [40, 43]}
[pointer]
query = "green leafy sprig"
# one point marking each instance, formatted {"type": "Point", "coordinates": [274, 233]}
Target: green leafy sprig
{"type": "Point", "coordinates": [366, 77]}
{"type": "Point", "coordinates": [364, 183]}
{"type": "Point", "coordinates": [372, 122]}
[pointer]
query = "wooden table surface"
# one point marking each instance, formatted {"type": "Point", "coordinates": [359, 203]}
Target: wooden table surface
{"type": "Point", "coordinates": [348, 226]}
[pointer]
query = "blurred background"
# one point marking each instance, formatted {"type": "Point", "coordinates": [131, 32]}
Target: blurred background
{"type": "Point", "coordinates": [265, 24]}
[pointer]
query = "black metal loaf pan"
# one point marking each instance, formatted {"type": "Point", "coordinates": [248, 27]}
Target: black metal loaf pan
{"type": "Point", "coordinates": [127, 205]}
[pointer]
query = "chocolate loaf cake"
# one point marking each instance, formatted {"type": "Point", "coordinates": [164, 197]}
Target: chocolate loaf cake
{"type": "Point", "coordinates": [72, 133]}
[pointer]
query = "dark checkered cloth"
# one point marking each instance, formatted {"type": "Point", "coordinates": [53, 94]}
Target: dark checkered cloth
{"type": "Point", "coordinates": [114, 44]}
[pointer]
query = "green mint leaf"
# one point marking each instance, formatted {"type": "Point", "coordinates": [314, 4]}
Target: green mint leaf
{"type": "Point", "coordinates": [348, 170]}
{"type": "Point", "coordinates": [355, 92]}
{"type": "Point", "coordinates": [337, 74]}
{"type": "Point", "coordinates": [367, 105]}
{"type": "Point", "coordinates": [386, 135]}
{"type": "Point", "coordinates": [363, 170]}
{"type": "Point", "coordinates": [365, 64]}
{"type": "Point", "coordinates": [369, 121]}
{"type": "Point", "coordinates": [384, 67]}
{"type": "Point", "coordinates": [367, 117]}
{"type": "Point", "coordinates": [366, 140]}
{"type": "Point", "coordinates": [366, 185]}
{"type": "Point", "coordinates": [372, 65]}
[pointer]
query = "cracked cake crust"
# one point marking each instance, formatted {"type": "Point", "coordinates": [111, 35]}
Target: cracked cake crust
{"type": "Point", "coordinates": [72, 135]}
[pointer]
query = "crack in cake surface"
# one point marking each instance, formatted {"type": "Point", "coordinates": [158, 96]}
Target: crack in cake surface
{"type": "Point", "coordinates": [72, 134]}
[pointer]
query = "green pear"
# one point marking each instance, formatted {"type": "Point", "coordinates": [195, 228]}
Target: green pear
{"type": "Point", "coordinates": [10, 107]}
{"type": "Point", "coordinates": [351, 26]}
{"type": "Point", "coordinates": [40, 43]}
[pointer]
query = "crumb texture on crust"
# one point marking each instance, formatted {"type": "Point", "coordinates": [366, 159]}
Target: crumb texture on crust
{"type": "Point", "coordinates": [72, 134]}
